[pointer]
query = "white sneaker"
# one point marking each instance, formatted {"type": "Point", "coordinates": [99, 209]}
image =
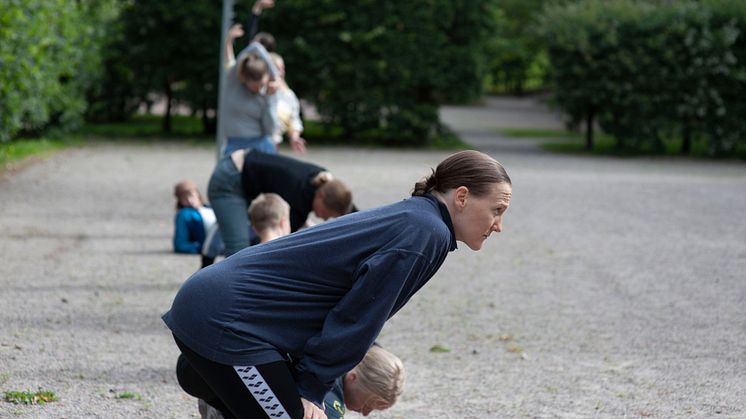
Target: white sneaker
{"type": "Point", "coordinates": [208, 412]}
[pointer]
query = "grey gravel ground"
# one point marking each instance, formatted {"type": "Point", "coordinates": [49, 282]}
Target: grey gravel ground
{"type": "Point", "coordinates": [617, 289]}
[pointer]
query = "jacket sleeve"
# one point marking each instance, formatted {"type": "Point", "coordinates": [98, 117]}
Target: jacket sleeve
{"type": "Point", "coordinates": [252, 27]}
{"type": "Point", "coordinates": [182, 242]}
{"type": "Point", "coordinates": [258, 49]}
{"type": "Point", "coordinates": [353, 324]}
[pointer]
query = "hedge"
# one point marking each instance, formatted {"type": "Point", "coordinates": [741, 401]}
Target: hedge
{"type": "Point", "coordinates": [384, 65]}
{"type": "Point", "coordinates": [647, 71]}
{"type": "Point", "coordinates": [49, 53]}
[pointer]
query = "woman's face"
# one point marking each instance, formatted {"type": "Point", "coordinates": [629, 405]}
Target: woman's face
{"type": "Point", "coordinates": [255, 86]}
{"type": "Point", "coordinates": [476, 217]}
{"type": "Point", "coordinates": [358, 399]}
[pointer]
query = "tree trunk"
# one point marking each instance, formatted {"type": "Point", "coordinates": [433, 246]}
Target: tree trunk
{"type": "Point", "coordinates": [589, 130]}
{"type": "Point", "coordinates": [205, 119]}
{"type": "Point", "coordinates": [208, 124]}
{"type": "Point", "coordinates": [686, 140]}
{"type": "Point", "coordinates": [167, 115]}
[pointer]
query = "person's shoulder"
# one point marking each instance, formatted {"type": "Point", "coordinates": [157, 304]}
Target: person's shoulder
{"type": "Point", "coordinates": [423, 209]}
{"type": "Point", "coordinates": [289, 93]}
{"type": "Point", "coordinates": [188, 214]}
{"type": "Point", "coordinates": [187, 211]}
{"type": "Point", "coordinates": [417, 215]}
{"type": "Point", "coordinates": [334, 401]}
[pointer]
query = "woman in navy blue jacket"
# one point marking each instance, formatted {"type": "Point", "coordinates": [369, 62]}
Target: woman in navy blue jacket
{"type": "Point", "coordinates": [268, 330]}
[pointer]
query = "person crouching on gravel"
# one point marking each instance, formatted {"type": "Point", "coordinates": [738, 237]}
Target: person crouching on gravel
{"type": "Point", "coordinates": [269, 329]}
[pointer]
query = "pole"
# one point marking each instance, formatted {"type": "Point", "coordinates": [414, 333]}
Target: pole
{"type": "Point", "coordinates": [227, 19]}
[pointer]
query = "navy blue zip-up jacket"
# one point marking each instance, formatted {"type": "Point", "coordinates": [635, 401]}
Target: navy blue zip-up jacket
{"type": "Point", "coordinates": [319, 296]}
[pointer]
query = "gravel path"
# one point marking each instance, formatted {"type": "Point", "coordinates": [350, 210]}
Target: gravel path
{"type": "Point", "coordinates": [617, 289]}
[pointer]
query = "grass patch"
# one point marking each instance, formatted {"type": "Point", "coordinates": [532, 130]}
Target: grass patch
{"type": "Point", "coordinates": [571, 142]}
{"type": "Point", "coordinates": [540, 133]}
{"type": "Point", "coordinates": [439, 349]}
{"type": "Point", "coordinates": [128, 395]}
{"type": "Point", "coordinates": [17, 150]}
{"type": "Point", "coordinates": [149, 127]}
{"type": "Point", "coordinates": [318, 133]}
{"type": "Point", "coordinates": [186, 129]}
{"type": "Point", "coordinates": [30, 397]}
{"type": "Point", "coordinates": [604, 145]}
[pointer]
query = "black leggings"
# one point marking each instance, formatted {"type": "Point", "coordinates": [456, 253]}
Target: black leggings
{"type": "Point", "coordinates": [259, 391]}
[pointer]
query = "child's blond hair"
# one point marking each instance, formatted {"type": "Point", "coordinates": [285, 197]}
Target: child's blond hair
{"type": "Point", "coordinates": [381, 373]}
{"type": "Point", "coordinates": [266, 211]}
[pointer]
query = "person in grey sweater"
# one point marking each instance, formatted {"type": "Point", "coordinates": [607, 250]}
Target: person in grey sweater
{"type": "Point", "coordinates": [248, 106]}
{"type": "Point", "coordinates": [267, 331]}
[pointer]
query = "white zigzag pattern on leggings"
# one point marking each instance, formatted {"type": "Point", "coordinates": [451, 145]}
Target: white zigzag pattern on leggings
{"type": "Point", "coordinates": [261, 392]}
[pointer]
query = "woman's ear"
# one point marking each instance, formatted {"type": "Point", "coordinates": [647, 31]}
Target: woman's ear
{"type": "Point", "coordinates": [459, 196]}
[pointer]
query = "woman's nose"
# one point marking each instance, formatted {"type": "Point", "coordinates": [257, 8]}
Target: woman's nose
{"type": "Point", "coordinates": [497, 226]}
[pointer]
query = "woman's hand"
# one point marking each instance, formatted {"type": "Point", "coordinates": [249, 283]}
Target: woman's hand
{"type": "Point", "coordinates": [311, 411]}
{"type": "Point", "coordinates": [260, 5]}
{"type": "Point", "coordinates": [235, 31]}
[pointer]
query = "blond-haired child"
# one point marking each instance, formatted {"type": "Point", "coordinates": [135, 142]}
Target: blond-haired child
{"type": "Point", "coordinates": [374, 384]}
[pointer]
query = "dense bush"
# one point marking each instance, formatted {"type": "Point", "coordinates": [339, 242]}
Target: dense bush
{"type": "Point", "coordinates": [375, 68]}
{"type": "Point", "coordinates": [49, 56]}
{"type": "Point", "coordinates": [729, 129]}
{"type": "Point", "coordinates": [650, 70]}
{"type": "Point", "coordinates": [166, 49]}
{"type": "Point", "coordinates": [516, 59]}
{"type": "Point", "coordinates": [383, 66]}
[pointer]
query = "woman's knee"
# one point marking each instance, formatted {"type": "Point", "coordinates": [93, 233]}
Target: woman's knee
{"type": "Point", "coordinates": [190, 380]}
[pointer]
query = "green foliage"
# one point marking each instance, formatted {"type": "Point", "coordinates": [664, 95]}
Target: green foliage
{"type": "Point", "coordinates": [16, 150]}
{"type": "Point", "coordinates": [128, 395]}
{"type": "Point", "coordinates": [48, 58]}
{"type": "Point", "coordinates": [537, 133]}
{"type": "Point", "coordinates": [161, 48]}
{"type": "Point", "coordinates": [439, 349]}
{"type": "Point", "coordinates": [650, 70]}
{"type": "Point", "coordinates": [515, 51]}
{"type": "Point", "coordinates": [329, 135]}
{"type": "Point", "coordinates": [605, 145]}
{"type": "Point", "coordinates": [727, 131]}
{"type": "Point", "coordinates": [115, 97]}
{"type": "Point", "coordinates": [146, 127]}
{"type": "Point", "coordinates": [383, 66]}
{"type": "Point", "coordinates": [30, 397]}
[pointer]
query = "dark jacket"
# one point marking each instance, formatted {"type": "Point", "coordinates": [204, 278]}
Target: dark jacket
{"type": "Point", "coordinates": [319, 296]}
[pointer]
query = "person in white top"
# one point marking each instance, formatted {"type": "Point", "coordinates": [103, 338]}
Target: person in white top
{"type": "Point", "coordinates": [288, 110]}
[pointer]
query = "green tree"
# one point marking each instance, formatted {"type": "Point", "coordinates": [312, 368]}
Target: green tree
{"type": "Point", "coordinates": [167, 48]}
{"type": "Point", "coordinates": [515, 47]}
{"type": "Point", "coordinates": [650, 70]}
{"type": "Point", "coordinates": [49, 56]}
{"type": "Point", "coordinates": [383, 66]}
